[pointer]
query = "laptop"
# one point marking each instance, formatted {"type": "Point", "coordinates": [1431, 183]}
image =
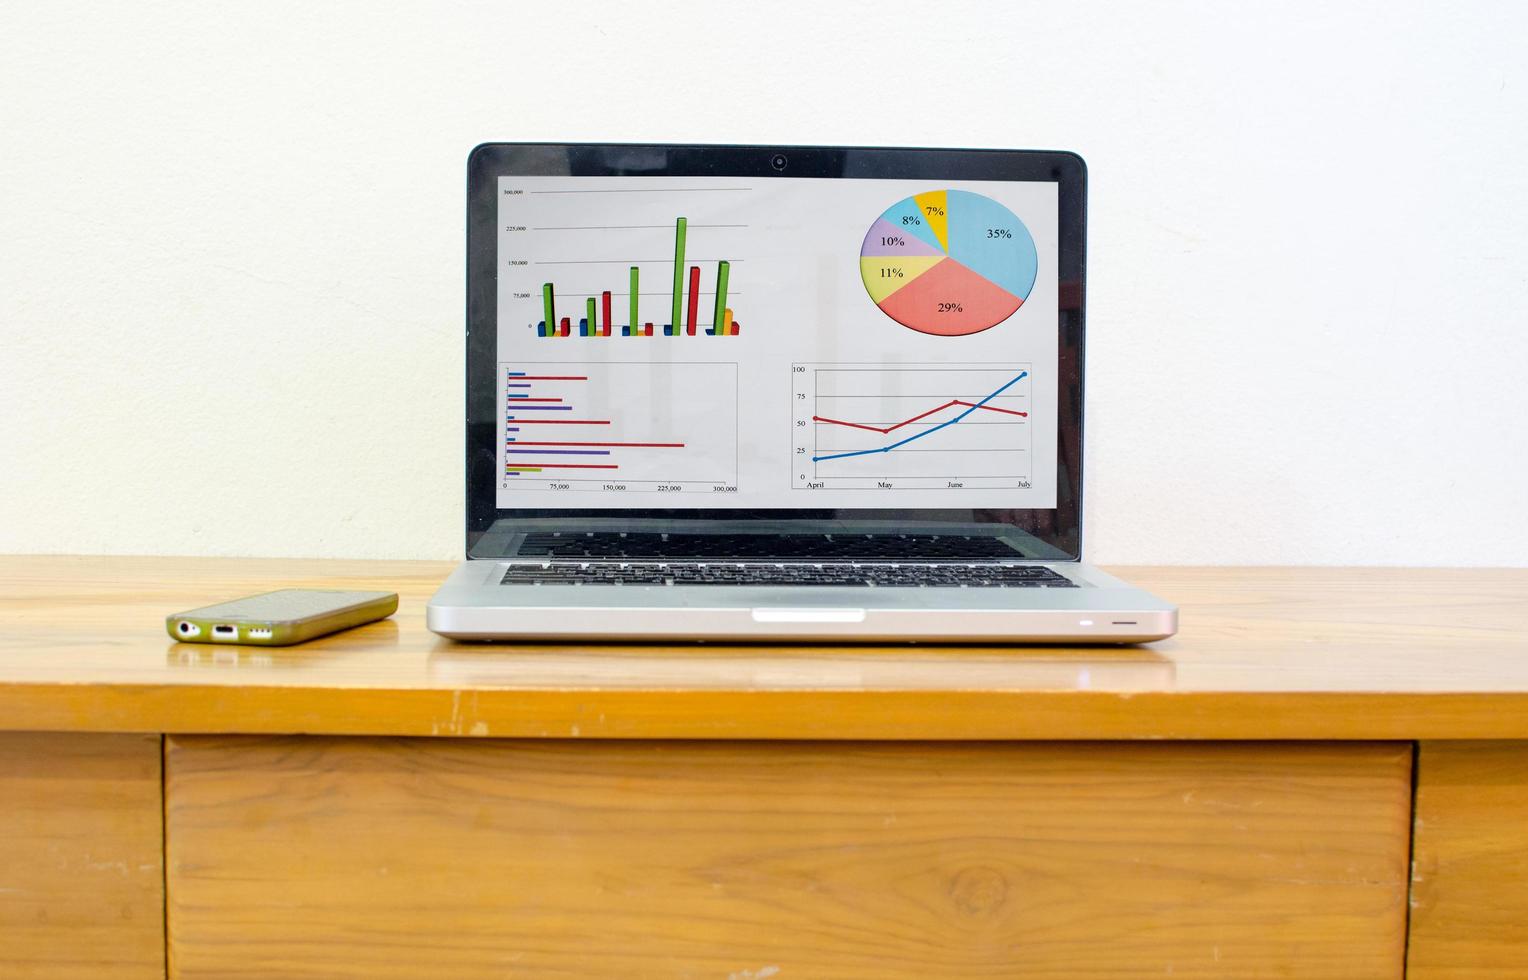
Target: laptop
{"type": "Point", "coordinates": [778, 393]}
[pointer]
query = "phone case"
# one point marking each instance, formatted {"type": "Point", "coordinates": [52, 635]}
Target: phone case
{"type": "Point", "coordinates": [280, 618]}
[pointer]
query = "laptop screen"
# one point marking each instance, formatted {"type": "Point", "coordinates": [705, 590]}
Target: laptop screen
{"type": "Point", "coordinates": [744, 344]}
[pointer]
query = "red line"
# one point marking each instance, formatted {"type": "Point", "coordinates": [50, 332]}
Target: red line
{"type": "Point", "coordinates": [889, 428]}
{"type": "Point", "coordinates": [852, 425]}
{"type": "Point", "coordinates": [892, 428]}
{"type": "Point", "coordinates": [546, 377]}
{"type": "Point", "coordinates": [572, 466]}
{"type": "Point", "coordinates": [516, 401]}
{"type": "Point", "coordinates": [992, 408]}
{"type": "Point", "coordinates": [562, 421]}
{"type": "Point", "coordinates": [649, 445]}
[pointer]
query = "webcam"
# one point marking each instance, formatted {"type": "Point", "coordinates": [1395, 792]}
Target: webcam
{"type": "Point", "coordinates": [778, 161]}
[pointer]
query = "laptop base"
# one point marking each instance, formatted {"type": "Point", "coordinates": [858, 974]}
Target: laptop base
{"type": "Point", "coordinates": [476, 604]}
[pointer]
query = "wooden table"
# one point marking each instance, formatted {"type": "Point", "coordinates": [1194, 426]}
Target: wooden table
{"type": "Point", "coordinates": [1324, 775]}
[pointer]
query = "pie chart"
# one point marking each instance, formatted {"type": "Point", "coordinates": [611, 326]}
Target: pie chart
{"type": "Point", "coordinates": [948, 263]}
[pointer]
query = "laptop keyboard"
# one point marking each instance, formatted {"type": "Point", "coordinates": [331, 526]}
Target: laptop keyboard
{"type": "Point", "coordinates": [813, 547]}
{"type": "Point", "coordinates": [900, 575]}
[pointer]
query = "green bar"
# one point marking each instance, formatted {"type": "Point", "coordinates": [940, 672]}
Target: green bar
{"type": "Point", "coordinates": [593, 328]}
{"type": "Point", "coordinates": [551, 316]}
{"type": "Point", "coordinates": [678, 273]}
{"type": "Point", "coordinates": [721, 296]}
{"type": "Point", "coordinates": [633, 301]}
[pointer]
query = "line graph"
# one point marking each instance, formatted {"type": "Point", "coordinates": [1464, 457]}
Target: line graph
{"type": "Point", "coordinates": [869, 426]}
{"type": "Point", "coordinates": [973, 406]}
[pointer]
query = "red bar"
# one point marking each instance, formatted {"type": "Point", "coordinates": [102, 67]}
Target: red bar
{"type": "Point", "coordinates": [547, 377]}
{"type": "Point", "coordinates": [605, 318]}
{"type": "Point", "coordinates": [565, 328]}
{"type": "Point", "coordinates": [570, 466]}
{"type": "Point", "coordinates": [659, 445]}
{"type": "Point", "coordinates": [694, 299]}
{"type": "Point", "coordinates": [647, 329]}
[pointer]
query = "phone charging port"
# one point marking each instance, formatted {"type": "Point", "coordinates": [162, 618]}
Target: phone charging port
{"type": "Point", "coordinates": [225, 632]}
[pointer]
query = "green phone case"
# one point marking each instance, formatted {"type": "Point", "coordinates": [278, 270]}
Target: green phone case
{"type": "Point", "coordinates": [280, 618]}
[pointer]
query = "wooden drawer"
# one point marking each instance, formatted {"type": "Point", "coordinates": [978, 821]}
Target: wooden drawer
{"type": "Point", "coordinates": [81, 872]}
{"type": "Point", "coordinates": [1469, 919]}
{"type": "Point", "coordinates": [359, 857]}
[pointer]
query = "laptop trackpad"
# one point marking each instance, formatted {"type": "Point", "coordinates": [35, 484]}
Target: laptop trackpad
{"type": "Point", "coordinates": [809, 615]}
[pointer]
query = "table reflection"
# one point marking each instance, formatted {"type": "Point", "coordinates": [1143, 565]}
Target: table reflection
{"type": "Point", "coordinates": [807, 668]}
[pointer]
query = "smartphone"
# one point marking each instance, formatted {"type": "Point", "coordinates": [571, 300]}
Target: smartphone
{"type": "Point", "coordinates": [280, 618]}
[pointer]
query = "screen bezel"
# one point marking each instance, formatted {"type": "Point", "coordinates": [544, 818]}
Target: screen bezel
{"type": "Point", "coordinates": [1059, 528]}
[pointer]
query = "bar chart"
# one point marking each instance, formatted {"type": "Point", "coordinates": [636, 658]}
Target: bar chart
{"type": "Point", "coordinates": [684, 313]}
{"type": "Point", "coordinates": [668, 427]}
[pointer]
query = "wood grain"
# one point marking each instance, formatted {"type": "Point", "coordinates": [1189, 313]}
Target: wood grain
{"type": "Point", "coordinates": [81, 873]}
{"type": "Point", "coordinates": [1470, 877]}
{"type": "Point", "coordinates": [1265, 653]}
{"type": "Point", "coordinates": [382, 858]}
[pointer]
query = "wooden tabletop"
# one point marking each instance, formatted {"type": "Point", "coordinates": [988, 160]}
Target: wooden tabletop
{"type": "Point", "coordinates": [1263, 653]}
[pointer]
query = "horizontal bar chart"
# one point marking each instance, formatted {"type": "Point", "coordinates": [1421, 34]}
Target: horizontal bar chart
{"type": "Point", "coordinates": [620, 426]}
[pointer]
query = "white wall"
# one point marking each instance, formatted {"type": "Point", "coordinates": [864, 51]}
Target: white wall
{"type": "Point", "coordinates": [231, 249]}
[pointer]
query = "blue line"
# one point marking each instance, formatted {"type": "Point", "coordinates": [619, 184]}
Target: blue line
{"type": "Point", "coordinates": [515, 374]}
{"type": "Point", "coordinates": [519, 384]}
{"type": "Point", "coordinates": [561, 452]}
{"type": "Point", "coordinates": [511, 428]}
{"type": "Point", "coordinates": [925, 432]}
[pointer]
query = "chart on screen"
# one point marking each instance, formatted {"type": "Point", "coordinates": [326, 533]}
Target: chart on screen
{"type": "Point", "coordinates": [948, 263]}
{"type": "Point", "coordinates": [618, 427]}
{"type": "Point", "coordinates": [647, 327]}
{"type": "Point", "coordinates": [875, 426]}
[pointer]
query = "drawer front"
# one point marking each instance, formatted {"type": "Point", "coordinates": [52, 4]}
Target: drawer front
{"type": "Point", "coordinates": [1469, 919]}
{"type": "Point", "coordinates": [355, 857]}
{"type": "Point", "coordinates": [81, 859]}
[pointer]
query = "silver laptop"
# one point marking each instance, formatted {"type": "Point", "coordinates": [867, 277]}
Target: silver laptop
{"type": "Point", "coordinates": [754, 393]}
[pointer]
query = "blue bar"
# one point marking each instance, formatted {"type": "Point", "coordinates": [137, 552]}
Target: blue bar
{"type": "Point", "coordinates": [515, 374]}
